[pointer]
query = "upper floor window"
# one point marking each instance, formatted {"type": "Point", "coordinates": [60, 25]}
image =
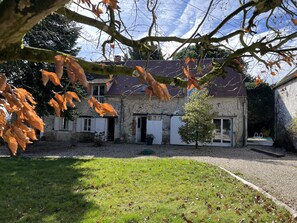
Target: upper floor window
{"type": "Point", "coordinates": [98, 92]}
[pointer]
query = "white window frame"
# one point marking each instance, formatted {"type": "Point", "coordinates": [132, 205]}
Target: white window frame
{"type": "Point", "coordinates": [86, 124]}
{"type": "Point", "coordinates": [64, 124]}
{"type": "Point", "coordinates": [98, 95]}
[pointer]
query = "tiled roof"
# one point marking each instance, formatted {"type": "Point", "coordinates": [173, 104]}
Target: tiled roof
{"type": "Point", "coordinates": [286, 79]}
{"type": "Point", "coordinates": [231, 86]}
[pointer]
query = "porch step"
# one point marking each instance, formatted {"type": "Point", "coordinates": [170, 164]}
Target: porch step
{"type": "Point", "coordinates": [275, 152]}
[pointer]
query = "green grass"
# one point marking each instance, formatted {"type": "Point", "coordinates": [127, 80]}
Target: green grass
{"type": "Point", "coordinates": [127, 190]}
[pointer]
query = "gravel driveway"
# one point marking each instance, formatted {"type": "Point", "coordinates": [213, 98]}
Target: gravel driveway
{"type": "Point", "coordinates": [277, 176]}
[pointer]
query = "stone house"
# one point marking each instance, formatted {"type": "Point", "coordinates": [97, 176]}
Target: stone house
{"type": "Point", "coordinates": [139, 116]}
{"type": "Point", "coordinates": [285, 96]}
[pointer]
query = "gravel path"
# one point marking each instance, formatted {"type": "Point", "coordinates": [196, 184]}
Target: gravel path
{"type": "Point", "coordinates": [277, 176]}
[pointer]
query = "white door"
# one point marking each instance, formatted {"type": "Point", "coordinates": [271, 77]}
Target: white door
{"type": "Point", "coordinates": [222, 132]}
{"type": "Point", "coordinates": [155, 127]}
{"type": "Point", "coordinates": [101, 125]}
{"type": "Point", "coordinates": [175, 123]}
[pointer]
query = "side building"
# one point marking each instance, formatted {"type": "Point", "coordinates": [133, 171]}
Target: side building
{"type": "Point", "coordinates": [285, 95]}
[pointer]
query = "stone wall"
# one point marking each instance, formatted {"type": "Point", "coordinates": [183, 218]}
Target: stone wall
{"type": "Point", "coordinates": [285, 110]}
{"type": "Point", "coordinates": [236, 109]}
{"type": "Point", "coordinates": [128, 107]}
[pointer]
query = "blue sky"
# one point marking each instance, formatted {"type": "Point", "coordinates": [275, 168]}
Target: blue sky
{"type": "Point", "coordinates": [174, 18]}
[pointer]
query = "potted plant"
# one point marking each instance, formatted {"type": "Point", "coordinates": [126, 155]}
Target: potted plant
{"type": "Point", "coordinates": [149, 139]}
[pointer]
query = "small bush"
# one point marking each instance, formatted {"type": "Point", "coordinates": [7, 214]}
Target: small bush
{"type": "Point", "coordinates": [147, 152]}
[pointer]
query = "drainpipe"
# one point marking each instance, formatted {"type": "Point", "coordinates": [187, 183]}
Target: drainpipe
{"type": "Point", "coordinates": [244, 123]}
{"type": "Point", "coordinates": [121, 117]}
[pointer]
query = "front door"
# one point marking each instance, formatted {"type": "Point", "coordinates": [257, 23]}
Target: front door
{"type": "Point", "coordinates": [110, 129]}
{"type": "Point", "coordinates": [222, 132]}
{"type": "Point", "coordinates": [141, 129]}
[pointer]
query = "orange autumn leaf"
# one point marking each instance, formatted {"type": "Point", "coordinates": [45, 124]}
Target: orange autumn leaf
{"type": "Point", "coordinates": [273, 73]}
{"type": "Point", "coordinates": [74, 67]}
{"type": "Point", "coordinates": [69, 96]}
{"type": "Point", "coordinates": [56, 106]}
{"type": "Point", "coordinates": [192, 81]}
{"type": "Point", "coordinates": [112, 3]}
{"type": "Point", "coordinates": [3, 82]}
{"type": "Point", "coordinates": [149, 92]}
{"type": "Point", "coordinates": [33, 119]}
{"type": "Point", "coordinates": [102, 108]}
{"type": "Point", "coordinates": [258, 80]}
{"type": "Point", "coordinates": [59, 62]}
{"type": "Point", "coordinates": [161, 91]}
{"type": "Point", "coordinates": [20, 142]}
{"type": "Point", "coordinates": [29, 131]}
{"type": "Point", "coordinates": [31, 134]}
{"type": "Point", "coordinates": [294, 21]}
{"type": "Point", "coordinates": [71, 77]}
{"type": "Point", "coordinates": [96, 10]}
{"type": "Point", "coordinates": [62, 101]}
{"type": "Point", "coordinates": [91, 102]}
{"type": "Point", "coordinates": [20, 134]}
{"type": "Point", "coordinates": [108, 109]}
{"type": "Point", "coordinates": [11, 141]}
{"type": "Point", "coordinates": [12, 99]}
{"type": "Point", "coordinates": [24, 95]}
{"type": "Point", "coordinates": [47, 75]}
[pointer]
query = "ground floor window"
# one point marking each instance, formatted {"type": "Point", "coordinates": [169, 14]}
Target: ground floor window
{"type": "Point", "coordinates": [64, 124]}
{"type": "Point", "coordinates": [87, 124]}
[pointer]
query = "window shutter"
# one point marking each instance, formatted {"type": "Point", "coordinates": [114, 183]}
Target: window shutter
{"type": "Point", "coordinates": [79, 125]}
{"type": "Point", "coordinates": [93, 124]}
{"type": "Point", "coordinates": [70, 125]}
{"type": "Point", "coordinates": [57, 123]}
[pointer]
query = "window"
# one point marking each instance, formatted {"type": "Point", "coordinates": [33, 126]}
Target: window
{"type": "Point", "coordinates": [64, 124]}
{"type": "Point", "coordinates": [86, 124]}
{"type": "Point", "coordinates": [222, 131]}
{"type": "Point", "coordinates": [98, 92]}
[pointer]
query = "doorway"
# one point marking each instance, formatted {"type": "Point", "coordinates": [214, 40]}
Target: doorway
{"type": "Point", "coordinates": [110, 129]}
{"type": "Point", "coordinates": [141, 129]}
{"type": "Point", "coordinates": [222, 132]}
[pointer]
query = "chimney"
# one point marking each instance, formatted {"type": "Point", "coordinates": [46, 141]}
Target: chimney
{"type": "Point", "coordinates": [117, 58]}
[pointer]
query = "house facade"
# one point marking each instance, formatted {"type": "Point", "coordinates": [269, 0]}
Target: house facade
{"type": "Point", "coordinates": [138, 116]}
{"type": "Point", "coordinates": [285, 95]}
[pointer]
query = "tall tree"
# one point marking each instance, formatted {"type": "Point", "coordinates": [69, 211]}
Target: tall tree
{"type": "Point", "coordinates": [260, 107]}
{"type": "Point", "coordinates": [57, 33]}
{"type": "Point", "coordinates": [137, 54]}
{"type": "Point", "coordinates": [198, 120]}
{"type": "Point", "coordinates": [193, 51]}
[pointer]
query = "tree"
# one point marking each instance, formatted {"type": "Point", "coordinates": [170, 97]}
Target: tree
{"type": "Point", "coordinates": [260, 107]}
{"type": "Point", "coordinates": [55, 32]}
{"type": "Point", "coordinates": [198, 120]}
{"type": "Point", "coordinates": [273, 47]}
{"type": "Point", "coordinates": [193, 51]}
{"type": "Point", "coordinates": [137, 54]}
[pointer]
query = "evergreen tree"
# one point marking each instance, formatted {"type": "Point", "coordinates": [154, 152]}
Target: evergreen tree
{"type": "Point", "coordinates": [193, 52]}
{"type": "Point", "coordinates": [138, 54]}
{"type": "Point", "coordinates": [54, 33]}
{"type": "Point", "coordinates": [260, 107]}
{"type": "Point", "coordinates": [198, 119]}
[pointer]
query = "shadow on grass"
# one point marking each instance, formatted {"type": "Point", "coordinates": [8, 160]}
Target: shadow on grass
{"type": "Point", "coordinates": [41, 191]}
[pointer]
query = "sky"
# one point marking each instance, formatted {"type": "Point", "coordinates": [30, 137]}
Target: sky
{"type": "Point", "coordinates": [175, 18]}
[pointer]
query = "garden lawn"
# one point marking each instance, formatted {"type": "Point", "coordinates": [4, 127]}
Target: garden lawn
{"type": "Point", "coordinates": [127, 190]}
